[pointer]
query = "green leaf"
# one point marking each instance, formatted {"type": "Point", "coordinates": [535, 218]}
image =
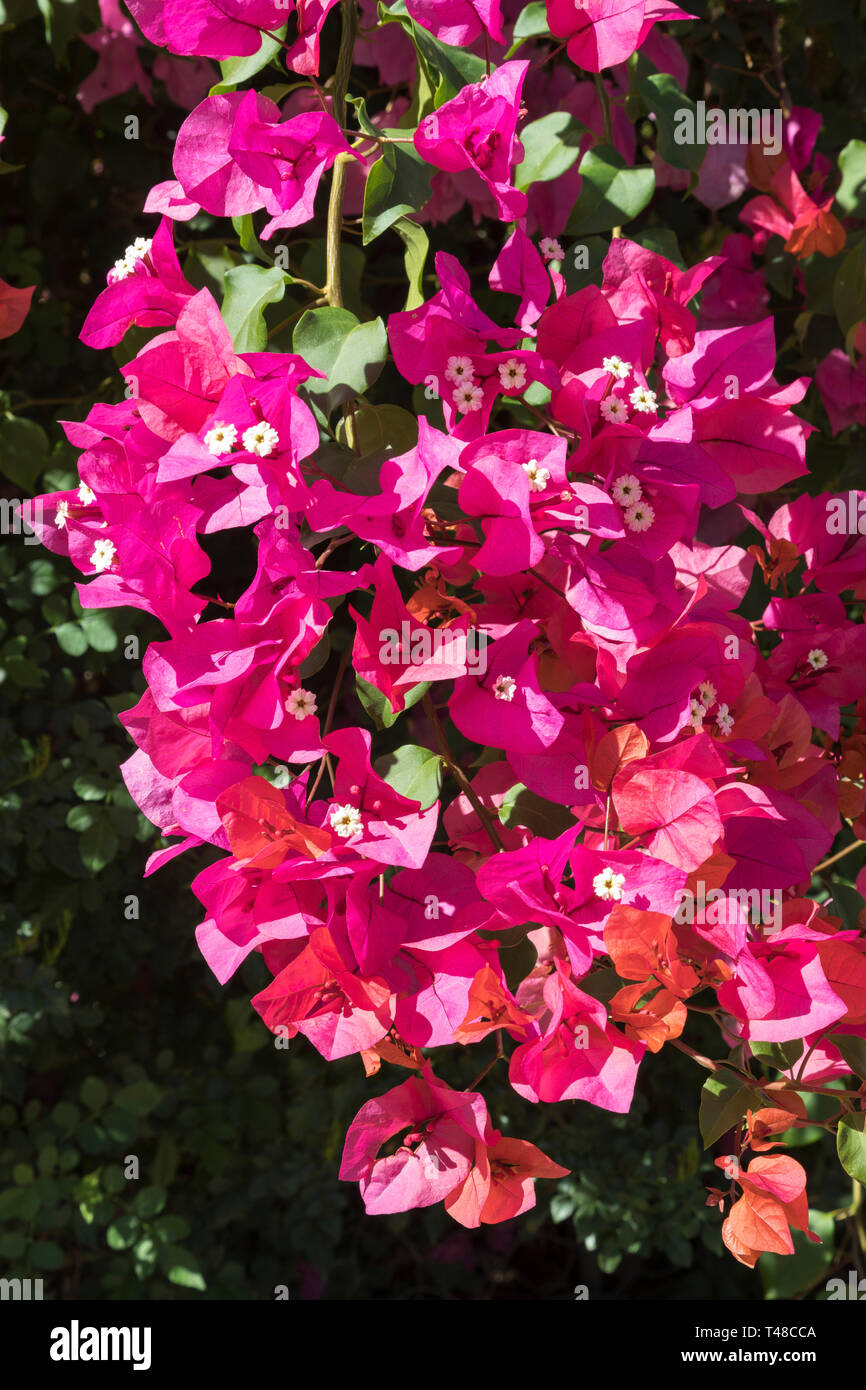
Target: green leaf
{"type": "Point", "coordinates": [98, 844]}
{"type": "Point", "coordinates": [412, 771]}
{"type": "Point", "coordinates": [399, 182]}
{"type": "Point", "coordinates": [551, 145]}
{"type": "Point", "coordinates": [181, 1267]}
{"type": "Point", "coordinates": [149, 1201]}
{"type": "Point", "coordinates": [666, 100]}
{"type": "Point", "coordinates": [523, 808]}
{"type": "Point", "coordinates": [248, 291]}
{"type": "Point", "coordinates": [235, 70]}
{"type": "Point", "coordinates": [99, 631]}
{"type": "Point", "coordinates": [169, 1229]}
{"type": "Point", "coordinates": [532, 21]}
{"type": "Point", "coordinates": [853, 1049]}
{"type": "Point", "coordinates": [123, 1232]}
{"type": "Point", "coordinates": [724, 1101]}
{"type": "Point", "coordinates": [94, 1093]}
{"type": "Point", "coordinates": [375, 429]}
{"type": "Point", "coordinates": [139, 1098]}
{"type": "Point", "coordinates": [247, 236]}
{"type": "Point", "coordinates": [81, 818]}
{"type": "Point", "coordinates": [849, 289]}
{"type": "Point", "coordinates": [66, 1115]}
{"type": "Point", "coordinates": [417, 245]}
{"type": "Point", "coordinates": [165, 1164]}
{"type": "Point", "coordinates": [457, 67]}
{"type": "Point", "coordinates": [782, 1056]}
{"type": "Point", "coordinates": [19, 1203]}
{"type": "Point", "coordinates": [71, 639]}
{"type": "Point", "coordinates": [664, 242]}
{"type": "Point", "coordinates": [23, 451]}
{"type": "Point", "coordinates": [44, 1254]}
{"type": "Point", "coordinates": [851, 1145]}
{"type": "Point", "coordinates": [611, 195]}
{"type": "Point", "coordinates": [851, 196]}
{"type": "Point", "coordinates": [379, 707]}
{"type": "Point", "coordinates": [602, 984]}
{"type": "Point", "coordinates": [351, 354]}
{"type": "Point", "coordinates": [90, 787]}
{"type": "Point", "coordinates": [785, 1276]}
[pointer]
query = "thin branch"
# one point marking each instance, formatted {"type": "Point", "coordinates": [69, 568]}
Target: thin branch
{"type": "Point", "coordinates": [857, 844]}
{"type": "Point", "coordinates": [457, 773]}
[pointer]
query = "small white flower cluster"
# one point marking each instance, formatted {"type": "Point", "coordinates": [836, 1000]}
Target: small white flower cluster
{"type": "Point", "coordinates": [703, 702]}
{"type": "Point", "coordinates": [638, 515]}
{"type": "Point", "coordinates": [613, 408]}
{"type": "Point", "coordinates": [261, 439]}
{"type": "Point", "coordinates": [504, 688]}
{"type": "Point", "coordinates": [86, 497]}
{"type": "Point", "coordinates": [125, 267]}
{"type": "Point", "coordinates": [608, 885]}
{"type": "Point", "coordinates": [467, 395]}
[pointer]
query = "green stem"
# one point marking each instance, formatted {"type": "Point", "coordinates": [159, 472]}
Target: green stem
{"type": "Point", "coordinates": [604, 102]}
{"type": "Point", "coordinates": [334, 290]}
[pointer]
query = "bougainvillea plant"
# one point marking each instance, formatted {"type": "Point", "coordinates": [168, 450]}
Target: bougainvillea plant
{"type": "Point", "coordinates": [487, 748]}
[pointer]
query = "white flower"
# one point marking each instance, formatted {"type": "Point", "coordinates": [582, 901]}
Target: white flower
{"type": "Point", "coordinates": [504, 688]}
{"type": "Point", "coordinates": [551, 249]}
{"type": "Point", "coordinates": [301, 703]}
{"type": "Point", "coordinates": [61, 516]}
{"type": "Point", "coordinates": [459, 369]}
{"type": "Point", "coordinates": [614, 410]}
{"type": "Point", "coordinates": [538, 477]}
{"type": "Point", "coordinates": [512, 375]}
{"type": "Point", "coordinates": [103, 555]}
{"type": "Point", "coordinates": [468, 398]}
{"type": "Point", "coordinates": [696, 713]}
{"type": "Point", "coordinates": [125, 266]}
{"type": "Point", "coordinates": [818, 659]}
{"type": "Point", "coordinates": [617, 367]}
{"type": "Point", "coordinates": [221, 439]}
{"type": "Point", "coordinates": [345, 821]}
{"type": "Point", "coordinates": [627, 490]}
{"type": "Point", "coordinates": [608, 885]}
{"type": "Point", "coordinates": [85, 496]}
{"type": "Point", "coordinates": [260, 439]}
{"type": "Point", "coordinates": [640, 517]}
{"type": "Point", "coordinates": [644, 400]}
{"type": "Point", "coordinates": [707, 694]}
{"type": "Point", "coordinates": [724, 720]}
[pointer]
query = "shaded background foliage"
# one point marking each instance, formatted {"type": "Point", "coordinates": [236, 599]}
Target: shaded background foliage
{"type": "Point", "coordinates": [115, 1039]}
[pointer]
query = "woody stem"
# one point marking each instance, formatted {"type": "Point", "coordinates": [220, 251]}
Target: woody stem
{"type": "Point", "coordinates": [857, 844]}
{"type": "Point", "coordinates": [500, 1052]}
{"type": "Point", "coordinates": [448, 758]}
